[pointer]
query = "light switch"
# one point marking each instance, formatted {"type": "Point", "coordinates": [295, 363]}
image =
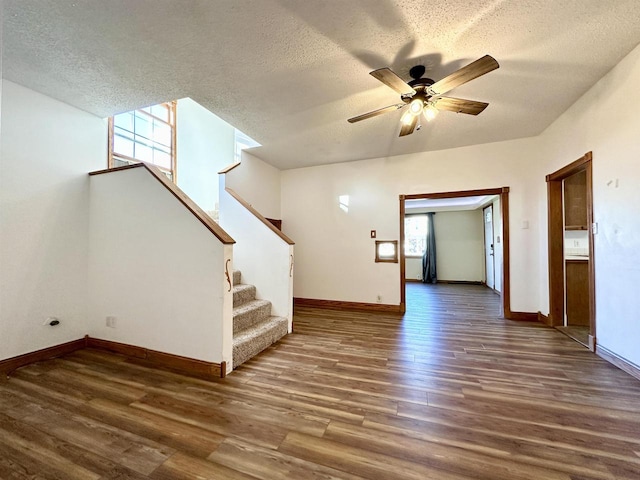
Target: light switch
{"type": "Point", "coordinates": [525, 224]}
{"type": "Point", "coordinates": [373, 234]}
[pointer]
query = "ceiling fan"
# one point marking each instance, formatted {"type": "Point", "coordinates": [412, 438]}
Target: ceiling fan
{"type": "Point", "coordinates": [424, 96]}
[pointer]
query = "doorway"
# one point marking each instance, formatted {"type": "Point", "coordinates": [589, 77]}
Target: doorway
{"type": "Point", "coordinates": [489, 254]}
{"type": "Point", "coordinates": [501, 277]}
{"type": "Point", "coordinates": [571, 259]}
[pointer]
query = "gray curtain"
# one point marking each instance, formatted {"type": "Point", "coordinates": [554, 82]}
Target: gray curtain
{"type": "Point", "coordinates": [429, 258]}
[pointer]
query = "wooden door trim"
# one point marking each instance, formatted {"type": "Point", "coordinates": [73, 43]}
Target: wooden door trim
{"type": "Point", "coordinates": [568, 170]}
{"type": "Point", "coordinates": [403, 299]}
{"type": "Point", "coordinates": [556, 249]}
{"type": "Point", "coordinates": [503, 193]}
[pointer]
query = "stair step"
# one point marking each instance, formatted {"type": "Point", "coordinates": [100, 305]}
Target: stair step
{"type": "Point", "coordinates": [237, 275]}
{"type": "Point", "coordinates": [243, 293]}
{"type": "Point", "coordinates": [250, 313]}
{"type": "Point", "coordinates": [255, 339]}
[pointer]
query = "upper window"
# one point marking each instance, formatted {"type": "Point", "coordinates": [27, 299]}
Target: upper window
{"type": "Point", "coordinates": [242, 142]}
{"type": "Point", "coordinates": [415, 235]}
{"type": "Point", "coordinates": [145, 135]}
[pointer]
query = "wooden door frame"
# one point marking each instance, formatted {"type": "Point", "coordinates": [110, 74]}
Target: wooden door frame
{"type": "Point", "coordinates": [556, 243]}
{"type": "Point", "coordinates": [503, 192]}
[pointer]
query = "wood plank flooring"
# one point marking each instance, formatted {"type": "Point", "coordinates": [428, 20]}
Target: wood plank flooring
{"type": "Point", "coordinates": [447, 391]}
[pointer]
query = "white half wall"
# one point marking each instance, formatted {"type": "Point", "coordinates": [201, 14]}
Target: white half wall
{"type": "Point", "coordinates": [258, 183]}
{"type": "Point", "coordinates": [334, 251]}
{"type": "Point", "coordinates": [47, 149]}
{"type": "Point", "coordinates": [156, 269]}
{"type": "Point", "coordinates": [605, 121]}
{"type": "Point", "coordinates": [264, 258]}
{"type": "Point", "coordinates": [459, 247]}
{"type": "Point", "coordinates": [205, 145]}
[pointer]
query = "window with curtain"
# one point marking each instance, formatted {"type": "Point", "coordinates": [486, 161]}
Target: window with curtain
{"type": "Point", "coordinates": [145, 135]}
{"type": "Point", "coordinates": [415, 235]}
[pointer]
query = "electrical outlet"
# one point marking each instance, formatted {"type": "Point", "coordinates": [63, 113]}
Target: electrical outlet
{"type": "Point", "coordinates": [111, 322]}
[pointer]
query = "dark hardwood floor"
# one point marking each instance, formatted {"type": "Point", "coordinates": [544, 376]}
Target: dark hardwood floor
{"type": "Point", "coordinates": [447, 391]}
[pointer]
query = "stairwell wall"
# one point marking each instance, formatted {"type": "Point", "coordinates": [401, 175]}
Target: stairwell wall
{"type": "Point", "coordinates": [265, 259]}
{"type": "Point", "coordinates": [205, 144]}
{"type": "Point", "coordinates": [156, 269]}
{"type": "Point", "coordinates": [258, 183]}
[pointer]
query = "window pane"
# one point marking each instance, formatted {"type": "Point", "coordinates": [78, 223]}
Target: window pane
{"type": "Point", "coordinates": [143, 153]}
{"type": "Point", "coordinates": [415, 228]}
{"type": "Point", "coordinates": [161, 133]}
{"type": "Point", "coordinates": [160, 111]}
{"type": "Point", "coordinates": [162, 158]}
{"type": "Point", "coordinates": [124, 121]}
{"type": "Point", "coordinates": [123, 145]}
{"type": "Point", "coordinates": [143, 125]}
{"type": "Point", "coordinates": [140, 136]}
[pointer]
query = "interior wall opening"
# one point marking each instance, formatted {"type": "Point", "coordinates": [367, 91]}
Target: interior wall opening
{"type": "Point", "coordinates": [455, 238]}
{"type": "Point", "coordinates": [571, 259]}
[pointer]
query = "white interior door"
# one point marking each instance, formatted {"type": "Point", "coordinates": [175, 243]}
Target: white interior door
{"type": "Point", "coordinates": [488, 246]}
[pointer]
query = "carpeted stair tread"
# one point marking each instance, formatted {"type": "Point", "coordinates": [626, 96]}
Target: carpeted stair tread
{"type": "Point", "coordinates": [253, 340]}
{"type": "Point", "coordinates": [250, 313]}
{"type": "Point", "coordinates": [237, 275]}
{"type": "Point", "coordinates": [243, 293]}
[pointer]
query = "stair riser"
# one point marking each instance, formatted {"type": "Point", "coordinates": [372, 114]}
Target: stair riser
{"type": "Point", "coordinates": [246, 350]}
{"type": "Point", "coordinates": [247, 319]}
{"type": "Point", "coordinates": [243, 296]}
{"type": "Point", "coordinates": [237, 275]}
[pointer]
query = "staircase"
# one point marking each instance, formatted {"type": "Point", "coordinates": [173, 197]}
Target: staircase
{"type": "Point", "coordinates": [254, 328]}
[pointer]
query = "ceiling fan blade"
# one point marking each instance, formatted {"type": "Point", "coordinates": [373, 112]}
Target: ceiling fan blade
{"type": "Point", "coordinates": [475, 69]}
{"type": "Point", "coordinates": [375, 113]}
{"type": "Point", "coordinates": [459, 105]}
{"type": "Point", "coordinates": [407, 129]}
{"type": "Point", "coordinates": [391, 80]}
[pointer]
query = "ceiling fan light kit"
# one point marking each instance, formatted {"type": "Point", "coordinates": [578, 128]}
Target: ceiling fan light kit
{"type": "Point", "coordinates": [424, 96]}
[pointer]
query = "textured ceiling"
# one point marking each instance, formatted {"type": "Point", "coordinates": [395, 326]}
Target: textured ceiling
{"type": "Point", "coordinates": [290, 72]}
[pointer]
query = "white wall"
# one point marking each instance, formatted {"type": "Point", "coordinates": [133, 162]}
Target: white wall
{"type": "Point", "coordinates": [335, 255]}
{"type": "Point", "coordinates": [263, 257]}
{"type": "Point", "coordinates": [205, 145]}
{"type": "Point", "coordinates": [459, 247]}
{"type": "Point", "coordinates": [606, 121]}
{"type": "Point", "coordinates": [48, 148]}
{"type": "Point", "coordinates": [258, 183]}
{"type": "Point", "coordinates": [1, 55]}
{"type": "Point", "coordinates": [157, 269]}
